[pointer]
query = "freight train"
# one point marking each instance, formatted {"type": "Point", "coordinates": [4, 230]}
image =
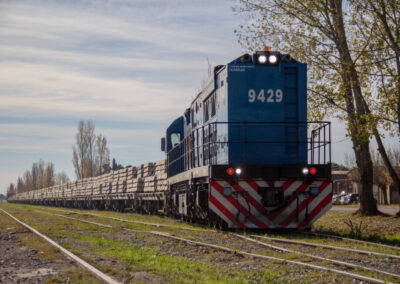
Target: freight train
{"type": "Point", "coordinates": [243, 155]}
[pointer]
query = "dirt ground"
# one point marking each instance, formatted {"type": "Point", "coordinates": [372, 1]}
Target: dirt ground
{"type": "Point", "coordinates": [19, 264]}
{"type": "Point", "coordinates": [25, 258]}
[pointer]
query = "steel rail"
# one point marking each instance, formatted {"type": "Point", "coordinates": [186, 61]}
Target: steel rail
{"type": "Point", "coordinates": [348, 264]}
{"type": "Point", "coordinates": [243, 253]}
{"type": "Point", "coordinates": [69, 254]}
{"type": "Point", "coordinates": [351, 240]}
{"type": "Point", "coordinates": [327, 247]}
{"type": "Point", "coordinates": [84, 221]}
{"type": "Point", "coordinates": [131, 221]}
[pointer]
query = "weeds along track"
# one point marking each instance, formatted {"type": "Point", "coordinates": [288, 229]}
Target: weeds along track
{"type": "Point", "coordinates": [106, 278]}
{"type": "Point", "coordinates": [250, 247]}
{"type": "Point", "coordinates": [351, 240]}
{"type": "Point", "coordinates": [335, 261]}
{"type": "Point", "coordinates": [317, 245]}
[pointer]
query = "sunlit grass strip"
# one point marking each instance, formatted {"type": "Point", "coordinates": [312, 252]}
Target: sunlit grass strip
{"type": "Point", "coordinates": [175, 269]}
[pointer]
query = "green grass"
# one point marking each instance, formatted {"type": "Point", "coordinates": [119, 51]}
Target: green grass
{"type": "Point", "coordinates": [174, 269]}
{"type": "Point", "coordinates": [44, 250]}
{"type": "Point", "coordinates": [92, 242]}
{"type": "Point", "coordinates": [382, 229]}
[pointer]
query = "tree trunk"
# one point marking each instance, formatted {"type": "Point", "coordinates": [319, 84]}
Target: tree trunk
{"type": "Point", "coordinates": [398, 96]}
{"type": "Point", "coordinates": [368, 204]}
{"type": "Point", "coordinates": [358, 128]}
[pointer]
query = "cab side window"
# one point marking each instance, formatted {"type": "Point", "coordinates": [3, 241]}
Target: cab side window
{"type": "Point", "coordinates": [175, 139]}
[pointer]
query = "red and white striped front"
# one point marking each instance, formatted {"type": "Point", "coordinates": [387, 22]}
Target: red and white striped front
{"type": "Point", "coordinates": [244, 208]}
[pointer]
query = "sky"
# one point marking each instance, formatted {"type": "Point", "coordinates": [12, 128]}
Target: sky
{"type": "Point", "coordinates": [130, 66]}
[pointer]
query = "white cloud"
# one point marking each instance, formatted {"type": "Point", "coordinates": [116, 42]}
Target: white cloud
{"type": "Point", "coordinates": [52, 90]}
{"type": "Point", "coordinates": [132, 63]}
{"type": "Point", "coordinates": [72, 25]}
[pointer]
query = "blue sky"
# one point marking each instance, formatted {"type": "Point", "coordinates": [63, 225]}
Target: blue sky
{"type": "Point", "coordinates": [130, 66]}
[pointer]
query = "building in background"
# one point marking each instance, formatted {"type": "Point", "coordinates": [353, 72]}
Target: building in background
{"type": "Point", "coordinates": [345, 182]}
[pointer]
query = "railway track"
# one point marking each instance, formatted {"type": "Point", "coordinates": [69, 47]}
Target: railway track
{"type": "Point", "coordinates": [351, 240]}
{"type": "Point", "coordinates": [346, 265]}
{"type": "Point", "coordinates": [283, 240]}
{"type": "Point", "coordinates": [99, 274]}
{"type": "Point", "coordinates": [365, 252]}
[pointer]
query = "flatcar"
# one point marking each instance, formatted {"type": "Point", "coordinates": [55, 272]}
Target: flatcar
{"type": "Point", "coordinates": [242, 155]}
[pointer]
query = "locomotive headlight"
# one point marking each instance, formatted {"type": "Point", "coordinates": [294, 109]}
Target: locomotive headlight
{"type": "Point", "coordinates": [305, 171]}
{"type": "Point", "coordinates": [238, 171]}
{"type": "Point", "coordinates": [262, 59]}
{"type": "Point", "coordinates": [272, 59]}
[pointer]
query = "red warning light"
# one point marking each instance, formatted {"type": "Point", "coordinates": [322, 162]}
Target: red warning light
{"type": "Point", "coordinates": [313, 171]}
{"type": "Point", "coordinates": [229, 171]}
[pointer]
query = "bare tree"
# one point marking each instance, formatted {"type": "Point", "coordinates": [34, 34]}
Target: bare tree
{"type": "Point", "coordinates": [21, 187]}
{"type": "Point", "coordinates": [61, 178]}
{"type": "Point", "coordinates": [83, 151]}
{"type": "Point", "coordinates": [35, 176]}
{"type": "Point", "coordinates": [49, 175]}
{"type": "Point", "coordinates": [102, 155]}
{"type": "Point", "coordinates": [90, 141]}
{"type": "Point", "coordinates": [79, 150]}
{"type": "Point", "coordinates": [28, 180]}
{"type": "Point", "coordinates": [41, 176]}
{"type": "Point", "coordinates": [40, 173]}
{"type": "Point", "coordinates": [394, 154]}
{"type": "Point", "coordinates": [11, 190]}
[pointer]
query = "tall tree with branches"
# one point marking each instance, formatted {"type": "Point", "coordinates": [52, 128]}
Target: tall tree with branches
{"type": "Point", "coordinates": [102, 155]}
{"type": "Point", "coordinates": [90, 153]}
{"type": "Point", "coordinates": [320, 34]}
{"type": "Point", "coordinates": [83, 149]}
{"type": "Point", "coordinates": [378, 28]}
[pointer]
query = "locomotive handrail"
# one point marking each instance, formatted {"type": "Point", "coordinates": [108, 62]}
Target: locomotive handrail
{"type": "Point", "coordinates": [186, 155]}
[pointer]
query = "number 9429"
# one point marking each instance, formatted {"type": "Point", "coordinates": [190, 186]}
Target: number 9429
{"type": "Point", "coordinates": [269, 96]}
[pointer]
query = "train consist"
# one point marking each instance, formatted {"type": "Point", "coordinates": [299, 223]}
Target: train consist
{"type": "Point", "coordinates": [243, 155]}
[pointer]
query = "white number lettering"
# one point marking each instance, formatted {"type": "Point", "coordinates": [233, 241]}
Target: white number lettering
{"type": "Point", "coordinates": [270, 96]}
{"type": "Point", "coordinates": [278, 95]}
{"type": "Point", "coordinates": [252, 96]}
{"type": "Point", "coordinates": [260, 96]}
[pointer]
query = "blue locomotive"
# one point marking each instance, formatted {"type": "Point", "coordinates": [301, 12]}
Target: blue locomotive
{"type": "Point", "coordinates": [243, 155]}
